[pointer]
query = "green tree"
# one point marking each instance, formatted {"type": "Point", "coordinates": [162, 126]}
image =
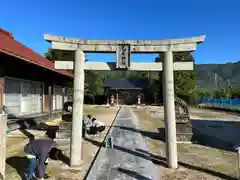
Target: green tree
{"type": "Point", "coordinates": [235, 93]}
{"type": "Point", "coordinates": [93, 83]}
{"type": "Point", "coordinates": [185, 81]}
{"type": "Point", "coordinates": [220, 93]}
{"type": "Point", "coordinates": [56, 55]}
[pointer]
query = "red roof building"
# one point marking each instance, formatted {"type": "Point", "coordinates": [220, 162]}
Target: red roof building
{"type": "Point", "coordinates": [14, 48]}
{"type": "Point", "coordinates": [30, 87]}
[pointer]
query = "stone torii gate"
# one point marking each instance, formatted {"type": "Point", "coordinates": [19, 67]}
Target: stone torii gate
{"type": "Point", "coordinates": [124, 48]}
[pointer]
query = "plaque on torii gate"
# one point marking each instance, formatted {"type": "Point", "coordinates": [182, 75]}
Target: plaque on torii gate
{"type": "Point", "coordinates": [123, 56]}
{"type": "Point", "coordinates": [123, 50]}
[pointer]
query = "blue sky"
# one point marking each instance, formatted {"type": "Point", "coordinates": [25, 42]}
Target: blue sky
{"type": "Point", "coordinates": [128, 19]}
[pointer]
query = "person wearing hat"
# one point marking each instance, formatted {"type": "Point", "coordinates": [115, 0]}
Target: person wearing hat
{"type": "Point", "coordinates": [37, 152]}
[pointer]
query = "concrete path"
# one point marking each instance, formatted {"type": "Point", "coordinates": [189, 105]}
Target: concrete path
{"type": "Point", "coordinates": [128, 159]}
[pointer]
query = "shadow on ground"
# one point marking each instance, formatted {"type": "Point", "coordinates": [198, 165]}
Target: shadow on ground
{"type": "Point", "coordinates": [18, 163]}
{"type": "Point", "coordinates": [218, 134]}
{"type": "Point", "coordinates": [158, 160]}
{"type": "Point", "coordinates": [57, 155]}
{"type": "Point", "coordinates": [132, 174]}
{"type": "Point", "coordinates": [153, 135]}
{"type": "Point", "coordinates": [122, 170]}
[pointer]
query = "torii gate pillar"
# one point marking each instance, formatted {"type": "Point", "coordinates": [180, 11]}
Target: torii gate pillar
{"type": "Point", "coordinates": [169, 110]}
{"type": "Point", "coordinates": [78, 99]}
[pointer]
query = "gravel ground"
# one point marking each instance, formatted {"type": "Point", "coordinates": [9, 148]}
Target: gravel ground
{"type": "Point", "coordinates": [16, 162]}
{"type": "Point", "coordinates": [127, 159]}
{"type": "Point", "coordinates": [195, 161]}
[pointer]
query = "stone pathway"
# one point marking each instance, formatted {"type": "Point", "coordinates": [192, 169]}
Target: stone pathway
{"type": "Point", "coordinates": [128, 159]}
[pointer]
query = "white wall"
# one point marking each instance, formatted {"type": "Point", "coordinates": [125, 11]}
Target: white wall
{"type": "Point", "coordinates": [22, 97]}
{"type": "Point", "coordinates": [58, 96]}
{"type": "Point", "coordinates": [12, 97]}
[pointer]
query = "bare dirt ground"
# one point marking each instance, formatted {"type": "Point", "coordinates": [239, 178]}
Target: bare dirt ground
{"type": "Point", "coordinates": [16, 162]}
{"type": "Point", "coordinates": [195, 161]}
{"type": "Point", "coordinates": [200, 113]}
{"type": "Point", "coordinates": [209, 114]}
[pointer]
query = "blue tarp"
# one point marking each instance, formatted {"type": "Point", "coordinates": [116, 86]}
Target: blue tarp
{"type": "Point", "coordinates": [221, 101]}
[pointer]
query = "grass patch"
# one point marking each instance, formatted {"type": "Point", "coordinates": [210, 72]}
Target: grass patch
{"type": "Point", "coordinates": [195, 161]}
{"type": "Point", "coordinates": [207, 115]}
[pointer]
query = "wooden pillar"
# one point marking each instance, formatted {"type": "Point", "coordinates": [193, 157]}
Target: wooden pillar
{"type": "Point", "coordinates": [117, 100]}
{"type": "Point", "coordinates": [42, 97]}
{"type": "Point", "coordinates": [3, 139]}
{"type": "Point", "coordinates": [66, 94]}
{"type": "Point", "coordinates": [50, 101]}
{"type": "Point", "coordinates": [63, 97]}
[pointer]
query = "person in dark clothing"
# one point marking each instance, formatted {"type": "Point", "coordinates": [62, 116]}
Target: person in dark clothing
{"type": "Point", "coordinates": [37, 152]}
{"type": "Point", "coordinates": [100, 127]}
{"type": "Point", "coordinates": [83, 130]}
{"type": "Point", "coordinates": [93, 127]}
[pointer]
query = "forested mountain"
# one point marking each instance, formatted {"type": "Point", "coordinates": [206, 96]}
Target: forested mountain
{"type": "Point", "coordinates": [218, 75]}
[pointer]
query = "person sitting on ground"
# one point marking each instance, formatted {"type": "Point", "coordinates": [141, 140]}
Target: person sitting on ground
{"type": "Point", "coordinates": [67, 107]}
{"type": "Point", "coordinates": [100, 125]}
{"type": "Point", "coordinates": [93, 126]}
{"type": "Point", "coordinates": [37, 151]}
{"type": "Point", "coordinates": [87, 122]}
{"type": "Point", "coordinates": [89, 127]}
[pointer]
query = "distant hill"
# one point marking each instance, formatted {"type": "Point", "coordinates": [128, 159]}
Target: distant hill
{"type": "Point", "coordinates": [221, 75]}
